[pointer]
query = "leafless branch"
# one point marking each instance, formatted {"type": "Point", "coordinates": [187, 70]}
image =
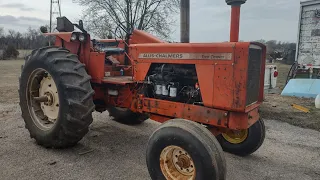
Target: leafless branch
{"type": "Point", "coordinates": [154, 16]}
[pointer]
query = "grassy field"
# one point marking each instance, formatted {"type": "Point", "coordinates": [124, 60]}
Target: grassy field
{"type": "Point", "coordinates": [9, 78]}
{"type": "Point", "coordinates": [23, 53]}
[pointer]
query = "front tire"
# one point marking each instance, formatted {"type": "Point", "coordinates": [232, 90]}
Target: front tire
{"type": "Point", "coordinates": [181, 149]}
{"type": "Point", "coordinates": [245, 142]}
{"type": "Point", "coordinates": [61, 116]}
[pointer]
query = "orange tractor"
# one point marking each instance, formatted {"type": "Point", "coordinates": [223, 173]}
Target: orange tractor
{"type": "Point", "coordinates": [206, 95]}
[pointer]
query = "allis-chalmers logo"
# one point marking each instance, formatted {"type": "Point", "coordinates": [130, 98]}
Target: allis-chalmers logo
{"type": "Point", "coordinates": [162, 56]}
{"type": "Point", "coordinates": [209, 56]}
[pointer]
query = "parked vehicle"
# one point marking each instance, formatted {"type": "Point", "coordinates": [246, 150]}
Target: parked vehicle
{"type": "Point", "coordinates": [308, 43]}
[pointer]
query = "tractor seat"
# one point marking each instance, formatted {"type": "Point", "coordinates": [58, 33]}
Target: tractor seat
{"type": "Point", "coordinates": [112, 51]}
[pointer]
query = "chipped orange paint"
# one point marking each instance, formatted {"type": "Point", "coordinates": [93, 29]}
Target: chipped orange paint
{"type": "Point", "coordinates": [222, 81]}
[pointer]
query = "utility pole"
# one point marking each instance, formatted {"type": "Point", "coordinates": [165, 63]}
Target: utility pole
{"type": "Point", "coordinates": [185, 21]}
{"type": "Point", "coordinates": [55, 11]}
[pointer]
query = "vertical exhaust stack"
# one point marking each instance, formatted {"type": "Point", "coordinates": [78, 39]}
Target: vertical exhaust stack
{"type": "Point", "coordinates": [185, 21]}
{"type": "Point", "coordinates": [235, 18]}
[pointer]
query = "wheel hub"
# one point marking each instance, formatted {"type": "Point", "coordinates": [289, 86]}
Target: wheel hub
{"type": "Point", "coordinates": [51, 106]}
{"type": "Point", "coordinates": [176, 163]}
{"type": "Point", "coordinates": [183, 161]}
{"type": "Point", "coordinates": [49, 97]}
{"type": "Point", "coordinates": [43, 99]}
{"type": "Point", "coordinates": [235, 137]}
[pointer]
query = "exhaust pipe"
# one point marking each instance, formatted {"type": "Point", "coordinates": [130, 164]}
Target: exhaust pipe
{"type": "Point", "coordinates": [235, 18]}
{"type": "Point", "coordinates": [185, 21]}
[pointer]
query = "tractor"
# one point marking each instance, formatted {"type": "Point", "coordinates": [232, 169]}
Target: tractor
{"type": "Point", "coordinates": [206, 95]}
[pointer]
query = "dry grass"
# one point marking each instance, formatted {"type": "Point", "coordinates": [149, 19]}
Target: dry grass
{"type": "Point", "coordinates": [23, 53]}
{"type": "Point", "coordinates": [9, 78]}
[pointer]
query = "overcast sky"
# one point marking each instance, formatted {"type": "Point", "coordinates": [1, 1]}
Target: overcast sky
{"type": "Point", "coordinates": [260, 19]}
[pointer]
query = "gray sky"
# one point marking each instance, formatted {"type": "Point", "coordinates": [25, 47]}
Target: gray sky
{"type": "Point", "coordinates": [210, 19]}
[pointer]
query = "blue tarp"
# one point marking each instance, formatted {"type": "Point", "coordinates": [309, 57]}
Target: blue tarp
{"type": "Point", "coordinates": [308, 88]}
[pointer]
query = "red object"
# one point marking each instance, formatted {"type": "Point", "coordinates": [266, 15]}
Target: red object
{"type": "Point", "coordinates": [235, 23]}
{"type": "Point", "coordinates": [275, 74]}
{"type": "Point", "coordinates": [197, 86]}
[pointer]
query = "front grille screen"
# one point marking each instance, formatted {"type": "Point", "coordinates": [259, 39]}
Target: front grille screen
{"type": "Point", "coordinates": [254, 72]}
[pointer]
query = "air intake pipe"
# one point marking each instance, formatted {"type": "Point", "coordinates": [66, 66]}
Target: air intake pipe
{"type": "Point", "coordinates": [235, 18]}
{"type": "Point", "coordinates": [185, 21]}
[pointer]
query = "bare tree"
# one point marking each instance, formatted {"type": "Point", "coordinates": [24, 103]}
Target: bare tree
{"type": "Point", "coordinates": [1, 32]}
{"type": "Point", "coordinates": [122, 16]}
{"type": "Point", "coordinates": [31, 39]}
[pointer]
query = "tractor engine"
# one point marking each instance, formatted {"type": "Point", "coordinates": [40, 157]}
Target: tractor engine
{"type": "Point", "coordinates": [173, 82]}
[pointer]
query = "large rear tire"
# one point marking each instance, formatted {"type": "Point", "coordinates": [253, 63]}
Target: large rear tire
{"type": "Point", "coordinates": [181, 149]}
{"type": "Point", "coordinates": [55, 97]}
{"type": "Point", "coordinates": [245, 142]}
{"type": "Point", "coordinates": [126, 116]}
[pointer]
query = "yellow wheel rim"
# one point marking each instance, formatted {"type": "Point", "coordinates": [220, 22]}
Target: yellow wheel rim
{"type": "Point", "coordinates": [235, 137]}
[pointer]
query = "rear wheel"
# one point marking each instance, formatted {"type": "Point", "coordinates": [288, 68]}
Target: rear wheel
{"type": "Point", "coordinates": [55, 97]}
{"type": "Point", "coordinates": [243, 142]}
{"type": "Point", "coordinates": [181, 149]}
{"type": "Point", "coordinates": [126, 116]}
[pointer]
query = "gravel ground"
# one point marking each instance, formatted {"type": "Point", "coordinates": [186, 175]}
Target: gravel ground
{"type": "Point", "coordinates": [116, 151]}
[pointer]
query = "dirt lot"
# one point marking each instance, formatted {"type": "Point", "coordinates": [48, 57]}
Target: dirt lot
{"type": "Point", "coordinates": [280, 108]}
{"type": "Point", "coordinates": [118, 152]}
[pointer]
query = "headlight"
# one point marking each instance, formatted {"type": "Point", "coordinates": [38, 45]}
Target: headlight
{"type": "Point", "coordinates": [82, 37]}
{"type": "Point", "coordinates": [73, 37]}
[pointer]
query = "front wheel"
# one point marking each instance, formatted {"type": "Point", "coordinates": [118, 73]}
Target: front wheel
{"type": "Point", "coordinates": [243, 142]}
{"type": "Point", "coordinates": [182, 149]}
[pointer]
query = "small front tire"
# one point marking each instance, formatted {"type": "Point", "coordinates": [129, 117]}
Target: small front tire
{"type": "Point", "coordinates": [181, 149]}
{"type": "Point", "coordinates": [244, 142]}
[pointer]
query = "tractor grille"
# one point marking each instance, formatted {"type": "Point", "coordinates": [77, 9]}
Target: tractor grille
{"type": "Point", "coordinates": [254, 71]}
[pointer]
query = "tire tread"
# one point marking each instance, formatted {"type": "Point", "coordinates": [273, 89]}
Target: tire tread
{"type": "Point", "coordinates": [77, 122]}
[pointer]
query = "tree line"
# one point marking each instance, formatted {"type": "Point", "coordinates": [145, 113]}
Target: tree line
{"type": "Point", "coordinates": [284, 51]}
{"type": "Point", "coordinates": [31, 39]}
{"type": "Point", "coordinates": [12, 40]}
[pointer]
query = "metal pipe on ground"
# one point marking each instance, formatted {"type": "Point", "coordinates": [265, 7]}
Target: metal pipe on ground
{"type": "Point", "coordinates": [185, 21]}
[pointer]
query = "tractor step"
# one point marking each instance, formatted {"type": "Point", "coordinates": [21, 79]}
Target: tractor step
{"type": "Point", "coordinates": [119, 80]}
